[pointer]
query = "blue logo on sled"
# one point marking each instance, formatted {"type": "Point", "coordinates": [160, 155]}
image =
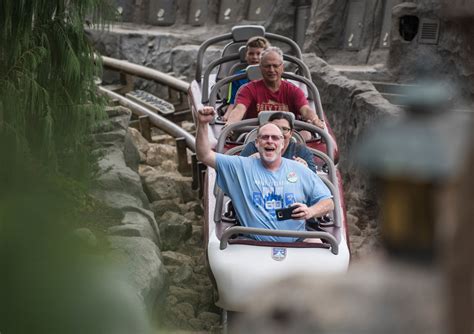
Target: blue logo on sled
{"type": "Point", "coordinates": [278, 254]}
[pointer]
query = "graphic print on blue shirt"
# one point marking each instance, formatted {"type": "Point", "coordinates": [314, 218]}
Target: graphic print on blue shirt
{"type": "Point", "coordinates": [257, 199]}
{"type": "Point", "coordinates": [289, 199]}
{"type": "Point", "coordinates": [272, 198]}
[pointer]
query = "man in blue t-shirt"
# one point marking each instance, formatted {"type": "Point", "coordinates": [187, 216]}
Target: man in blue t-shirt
{"type": "Point", "coordinates": [258, 187]}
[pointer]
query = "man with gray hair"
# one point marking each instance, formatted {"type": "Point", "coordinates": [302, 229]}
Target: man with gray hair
{"type": "Point", "coordinates": [272, 93]}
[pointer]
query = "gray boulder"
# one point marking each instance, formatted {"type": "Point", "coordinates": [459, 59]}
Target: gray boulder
{"type": "Point", "coordinates": [183, 59]}
{"type": "Point", "coordinates": [184, 295]}
{"type": "Point", "coordinates": [209, 318]}
{"type": "Point", "coordinates": [140, 142]}
{"type": "Point", "coordinates": [131, 153]}
{"type": "Point", "coordinates": [142, 261]}
{"type": "Point", "coordinates": [182, 275]}
{"type": "Point", "coordinates": [171, 258]}
{"type": "Point", "coordinates": [161, 206]}
{"type": "Point", "coordinates": [118, 199]}
{"type": "Point", "coordinates": [136, 223]}
{"type": "Point", "coordinates": [182, 314]}
{"type": "Point", "coordinates": [174, 229]}
{"type": "Point", "coordinates": [159, 186]}
{"type": "Point", "coordinates": [117, 177]}
{"type": "Point", "coordinates": [196, 236]}
{"type": "Point", "coordinates": [158, 153]}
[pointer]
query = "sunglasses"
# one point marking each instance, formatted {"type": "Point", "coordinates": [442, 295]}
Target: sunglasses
{"type": "Point", "coordinates": [285, 130]}
{"type": "Point", "coordinates": [272, 137]}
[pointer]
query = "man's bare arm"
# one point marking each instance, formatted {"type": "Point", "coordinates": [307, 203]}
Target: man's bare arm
{"type": "Point", "coordinates": [236, 114]}
{"type": "Point", "coordinates": [203, 149]}
{"type": "Point", "coordinates": [317, 210]}
{"type": "Point", "coordinates": [228, 111]}
{"type": "Point", "coordinates": [310, 115]}
{"type": "Point", "coordinates": [322, 208]}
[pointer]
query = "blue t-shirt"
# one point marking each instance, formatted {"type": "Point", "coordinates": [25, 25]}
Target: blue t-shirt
{"type": "Point", "coordinates": [293, 150]}
{"type": "Point", "coordinates": [257, 192]}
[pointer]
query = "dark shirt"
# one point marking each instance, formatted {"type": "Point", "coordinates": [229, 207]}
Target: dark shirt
{"type": "Point", "coordinates": [234, 87]}
{"type": "Point", "coordinates": [293, 150]}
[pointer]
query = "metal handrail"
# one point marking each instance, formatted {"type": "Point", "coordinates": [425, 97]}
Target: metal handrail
{"type": "Point", "coordinates": [157, 120]}
{"type": "Point", "coordinates": [313, 92]}
{"type": "Point", "coordinates": [229, 128]}
{"type": "Point", "coordinates": [205, 79]}
{"type": "Point", "coordinates": [338, 213]}
{"type": "Point", "coordinates": [330, 144]}
{"type": "Point", "coordinates": [203, 47]}
{"type": "Point", "coordinates": [146, 73]}
{"type": "Point", "coordinates": [324, 133]}
{"type": "Point", "coordinates": [278, 233]}
{"type": "Point", "coordinates": [207, 73]}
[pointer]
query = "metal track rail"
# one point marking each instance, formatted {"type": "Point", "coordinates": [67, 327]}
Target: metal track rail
{"type": "Point", "coordinates": [157, 120]}
{"type": "Point", "coordinates": [146, 73]}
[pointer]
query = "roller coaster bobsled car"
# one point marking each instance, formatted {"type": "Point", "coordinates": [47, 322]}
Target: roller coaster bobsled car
{"type": "Point", "coordinates": [242, 266]}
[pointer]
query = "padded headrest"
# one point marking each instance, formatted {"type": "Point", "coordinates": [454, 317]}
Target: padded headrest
{"type": "Point", "coordinates": [243, 33]}
{"type": "Point", "coordinates": [254, 72]}
{"type": "Point", "coordinates": [242, 53]}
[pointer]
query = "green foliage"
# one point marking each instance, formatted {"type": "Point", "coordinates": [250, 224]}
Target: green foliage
{"type": "Point", "coordinates": [52, 280]}
{"type": "Point", "coordinates": [48, 98]}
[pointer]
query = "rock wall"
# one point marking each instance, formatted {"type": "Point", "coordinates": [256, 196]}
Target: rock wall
{"type": "Point", "coordinates": [353, 107]}
{"type": "Point", "coordinates": [450, 59]}
{"type": "Point", "coordinates": [168, 52]}
{"type": "Point", "coordinates": [162, 257]}
{"type": "Point", "coordinates": [189, 302]}
{"type": "Point", "coordinates": [135, 240]}
{"type": "Point", "coordinates": [327, 29]}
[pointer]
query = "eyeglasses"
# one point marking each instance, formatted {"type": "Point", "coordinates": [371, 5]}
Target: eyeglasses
{"type": "Point", "coordinates": [272, 137]}
{"type": "Point", "coordinates": [268, 66]}
{"type": "Point", "coordinates": [285, 130]}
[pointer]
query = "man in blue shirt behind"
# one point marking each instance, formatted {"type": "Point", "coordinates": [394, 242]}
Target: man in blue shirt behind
{"type": "Point", "coordinates": [258, 187]}
{"type": "Point", "coordinates": [291, 149]}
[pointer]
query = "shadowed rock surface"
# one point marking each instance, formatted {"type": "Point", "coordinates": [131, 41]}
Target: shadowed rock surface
{"type": "Point", "coordinates": [378, 296]}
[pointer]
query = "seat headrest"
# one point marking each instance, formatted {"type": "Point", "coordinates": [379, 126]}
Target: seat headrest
{"type": "Point", "coordinates": [254, 72]}
{"type": "Point", "coordinates": [243, 33]}
{"type": "Point", "coordinates": [242, 53]}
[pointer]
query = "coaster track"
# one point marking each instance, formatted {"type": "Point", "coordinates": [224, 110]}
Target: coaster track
{"type": "Point", "coordinates": [166, 124]}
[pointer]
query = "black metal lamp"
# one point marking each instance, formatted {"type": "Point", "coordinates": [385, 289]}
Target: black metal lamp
{"type": "Point", "coordinates": [412, 160]}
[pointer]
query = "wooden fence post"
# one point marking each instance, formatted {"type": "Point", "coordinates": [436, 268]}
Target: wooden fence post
{"type": "Point", "coordinates": [145, 127]}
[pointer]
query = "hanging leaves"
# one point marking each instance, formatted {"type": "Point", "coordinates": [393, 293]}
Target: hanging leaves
{"type": "Point", "coordinates": [47, 70]}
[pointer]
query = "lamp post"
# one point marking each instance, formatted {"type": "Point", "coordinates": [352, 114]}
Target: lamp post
{"type": "Point", "coordinates": [413, 160]}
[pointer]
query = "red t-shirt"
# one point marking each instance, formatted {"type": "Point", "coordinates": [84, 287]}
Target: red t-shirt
{"type": "Point", "coordinates": [257, 97]}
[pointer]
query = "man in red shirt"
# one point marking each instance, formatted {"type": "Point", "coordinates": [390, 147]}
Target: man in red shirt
{"type": "Point", "coordinates": [272, 93]}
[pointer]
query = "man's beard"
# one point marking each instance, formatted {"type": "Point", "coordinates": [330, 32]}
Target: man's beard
{"type": "Point", "coordinates": [264, 157]}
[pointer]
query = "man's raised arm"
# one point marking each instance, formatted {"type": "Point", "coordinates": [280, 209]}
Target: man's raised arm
{"type": "Point", "coordinates": [203, 149]}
